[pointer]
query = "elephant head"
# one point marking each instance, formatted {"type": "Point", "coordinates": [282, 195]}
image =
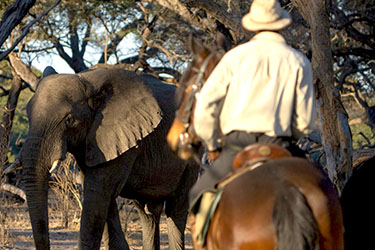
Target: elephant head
{"type": "Point", "coordinates": [95, 115]}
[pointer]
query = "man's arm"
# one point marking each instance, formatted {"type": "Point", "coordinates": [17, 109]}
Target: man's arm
{"type": "Point", "coordinates": [305, 106]}
{"type": "Point", "coordinates": [207, 109]}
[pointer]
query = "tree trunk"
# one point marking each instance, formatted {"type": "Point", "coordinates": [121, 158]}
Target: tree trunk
{"type": "Point", "coordinates": [7, 119]}
{"type": "Point", "coordinates": [335, 130]}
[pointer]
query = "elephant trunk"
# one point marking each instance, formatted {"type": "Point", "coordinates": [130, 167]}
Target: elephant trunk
{"type": "Point", "coordinates": [36, 187]}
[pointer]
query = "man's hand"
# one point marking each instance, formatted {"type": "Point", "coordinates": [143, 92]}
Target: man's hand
{"type": "Point", "coordinates": [213, 155]}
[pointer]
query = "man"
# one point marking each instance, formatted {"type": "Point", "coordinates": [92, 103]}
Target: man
{"type": "Point", "coordinates": [261, 91]}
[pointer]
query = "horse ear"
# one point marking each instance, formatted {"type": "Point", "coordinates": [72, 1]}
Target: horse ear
{"type": "Point", "coordinates": [222, 42]}
{"type": "Point", "coordinates": [195, 46]}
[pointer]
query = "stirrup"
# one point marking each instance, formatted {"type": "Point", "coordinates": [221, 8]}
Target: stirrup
{"type": "Point", "coordinates": [207, 207]}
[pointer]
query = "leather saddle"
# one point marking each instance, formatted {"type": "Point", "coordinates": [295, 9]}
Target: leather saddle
{"type": "Point", "coordinates": [259, 152]}
{"type": "Point", "coordinates": [246, 160]}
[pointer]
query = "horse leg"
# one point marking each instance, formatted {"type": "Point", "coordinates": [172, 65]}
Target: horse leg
{"type": "Point", "coordinates": [150, 217]}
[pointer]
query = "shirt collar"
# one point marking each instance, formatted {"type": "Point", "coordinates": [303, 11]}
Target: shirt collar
{"type": "Point", "coordinates": [269, 35]}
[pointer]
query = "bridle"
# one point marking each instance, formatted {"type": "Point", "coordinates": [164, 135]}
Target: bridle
{"type": "Point", "coordinates": [185, 141]}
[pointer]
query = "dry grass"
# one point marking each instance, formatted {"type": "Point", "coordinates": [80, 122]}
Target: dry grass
{"type": "Point", "coordinates": [66, 205]}
{"type": "Point", "coordinates": [13, 214]}
{"type": "Point", "coordinates": [65, 198]}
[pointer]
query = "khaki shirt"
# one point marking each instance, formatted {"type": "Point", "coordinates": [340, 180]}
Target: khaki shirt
{"type": "Point", "coordinates": [267, 86]}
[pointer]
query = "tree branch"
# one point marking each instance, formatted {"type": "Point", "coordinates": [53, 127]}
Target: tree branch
{"type": "Point", "coordinates": [23, 71]}
{"type": "Point", "coordinates": [117, 39]}
{"type": "Point", "coordinates": [177, 7]}
{"type": "Point", "coordinates": [14, 190]}
{"type": "Point", "coordinates": [25, 30]}
{"type": "Point", "coordinates": [230, 21]}
{"type": "Point", "coordinates": [344, 22]}
{"type": "Point", "coordinates": [12, 16]}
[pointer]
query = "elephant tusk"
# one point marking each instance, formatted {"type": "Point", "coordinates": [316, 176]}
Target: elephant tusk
{"type": "Point", "coordinates": [13, 167]}
{"type": "Point", "coordinates": [55, 165]}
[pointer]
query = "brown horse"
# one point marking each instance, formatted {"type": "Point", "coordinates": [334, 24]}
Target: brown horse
{"type": "Point", "coordinates": [284, 204]}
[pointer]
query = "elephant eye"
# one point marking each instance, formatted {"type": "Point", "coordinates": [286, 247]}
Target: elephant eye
{"type": "Point", "coordinates": [70, 121]}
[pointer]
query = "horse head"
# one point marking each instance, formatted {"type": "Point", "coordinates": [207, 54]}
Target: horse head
{"type": "Point", "coordinates": [181, 136]}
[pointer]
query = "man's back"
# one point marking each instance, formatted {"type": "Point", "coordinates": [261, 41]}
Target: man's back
{"type": "Point", "coordinates": [264, 78]}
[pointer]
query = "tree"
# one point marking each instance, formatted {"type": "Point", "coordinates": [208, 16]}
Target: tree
{"type": "Point", "coordinates": [334, 125]}
{"type": "Point", "coordinates": [338, 36]}
{"type": "Point", "coordinates": [7, 120]}
{"type": "Point", "coordinates": [353, 44]}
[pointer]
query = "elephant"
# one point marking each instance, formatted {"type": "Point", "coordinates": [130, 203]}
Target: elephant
{"type": "Point", "coordinates": [115, 123]}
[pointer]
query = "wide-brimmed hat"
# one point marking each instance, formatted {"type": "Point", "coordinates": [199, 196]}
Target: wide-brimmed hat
{"type": "Point", "coordinates": [266, 15]}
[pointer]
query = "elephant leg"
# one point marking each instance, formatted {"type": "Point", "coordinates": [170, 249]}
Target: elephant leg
{"type": "Point", "coordinates": [150, 217]}
{"type": "Point", "coordinates": [176, 209]}
{"type": "Point", "coordinates": [176, 222]}
{"type": "Point", "coordinates": [94, 214]}
{"type": "Point", "coordinates": [113, 235]}
{"type": "Point", "coordinates": [101, 187]}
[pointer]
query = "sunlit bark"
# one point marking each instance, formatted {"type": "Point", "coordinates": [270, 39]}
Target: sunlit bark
{"type": "Point", "coordinates": [335, 131]}
{"type": "Point", "coordinates": [23, 71]}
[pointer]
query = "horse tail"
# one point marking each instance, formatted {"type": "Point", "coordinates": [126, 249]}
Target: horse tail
{"type": "Point", "coordinates": [293, 219]}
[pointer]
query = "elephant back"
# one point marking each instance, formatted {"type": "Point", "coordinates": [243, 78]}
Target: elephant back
{"type": "Point", "coordinates": [164, 94]}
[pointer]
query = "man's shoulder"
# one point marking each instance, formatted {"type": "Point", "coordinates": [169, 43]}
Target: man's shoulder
{"type": "Point", "coordinates": [299, 57]}
{"type": "Point", "coordinates": [298, 54]}
{"type": "Point", "coordinates": [240, 50]}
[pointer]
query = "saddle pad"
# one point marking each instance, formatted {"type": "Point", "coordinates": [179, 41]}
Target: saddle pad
{"type": "Point", "coordinates": [208, 205]}
{"type": "Point", "coordinates": [205, 205]}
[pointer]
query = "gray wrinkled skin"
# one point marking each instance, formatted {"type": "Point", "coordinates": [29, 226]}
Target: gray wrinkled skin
{"type": "Point", "coordinates": [115, 123]}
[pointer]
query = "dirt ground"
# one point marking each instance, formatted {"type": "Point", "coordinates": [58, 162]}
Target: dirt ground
{"type": "Point", "coordinates": [16, 232]}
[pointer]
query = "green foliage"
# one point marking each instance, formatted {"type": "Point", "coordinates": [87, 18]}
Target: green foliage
{"type": "Point", "coordinates": [358, 140]}
{"type": "Point", "coordinates": [20, 121]}
{"type": "Point", "coordinates": [4, 4]}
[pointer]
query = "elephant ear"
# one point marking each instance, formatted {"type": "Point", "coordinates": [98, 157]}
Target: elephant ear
{"type": "Point", "coordinates": [127, 112]}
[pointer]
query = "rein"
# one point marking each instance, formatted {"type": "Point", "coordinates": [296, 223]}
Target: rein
{"type": "Point", "coordinates": [184, 141]}
{"type": "Point", "coordinates": [196, 87]}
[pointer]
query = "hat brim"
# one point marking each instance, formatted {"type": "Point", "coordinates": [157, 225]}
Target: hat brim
{"type": "Point", "coordinates": [281, 23]}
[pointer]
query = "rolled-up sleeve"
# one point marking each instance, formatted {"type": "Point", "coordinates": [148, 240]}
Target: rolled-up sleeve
{"type": "Point", "coordinates": [208, 105]}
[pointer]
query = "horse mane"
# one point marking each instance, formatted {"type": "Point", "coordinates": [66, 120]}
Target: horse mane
{"type": "Point", "coordinates": [293, 219]}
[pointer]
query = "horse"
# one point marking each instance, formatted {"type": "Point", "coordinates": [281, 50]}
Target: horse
{"type": "Point", "coordinates": [283, 203]}
{"type": "Point", "coordinates": [357, 206]}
